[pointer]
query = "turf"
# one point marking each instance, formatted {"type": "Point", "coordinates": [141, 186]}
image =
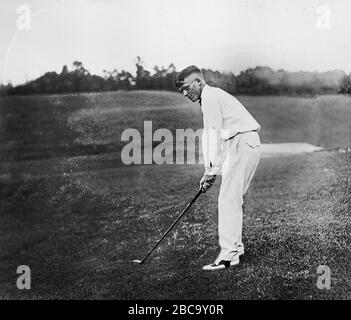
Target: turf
{"type": "Point", "coordinates": [78, 217]}
{"type": "Point", "coordinates": [52, 126]}
{"type": "Point", "coordinates": [79, 233]}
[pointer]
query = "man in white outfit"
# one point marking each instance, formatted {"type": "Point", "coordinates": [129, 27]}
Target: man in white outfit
{"type": "Point", "coordinates": [231, 147]}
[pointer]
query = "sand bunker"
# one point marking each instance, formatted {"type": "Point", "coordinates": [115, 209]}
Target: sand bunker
{"type": "Point", "coordinates": [285, 149]}
{"type": "Point", "coordinates": [267, 150]}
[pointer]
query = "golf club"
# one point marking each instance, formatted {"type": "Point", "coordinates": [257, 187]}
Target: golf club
{"type": "Point", "coordinates": [170, 228]}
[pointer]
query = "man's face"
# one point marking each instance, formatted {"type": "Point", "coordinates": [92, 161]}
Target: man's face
{"type": "Point", "coordinates": [191, 87]}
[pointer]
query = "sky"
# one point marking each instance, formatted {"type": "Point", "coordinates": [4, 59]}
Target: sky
{"type": "Point", "coordinates": [223, 35]}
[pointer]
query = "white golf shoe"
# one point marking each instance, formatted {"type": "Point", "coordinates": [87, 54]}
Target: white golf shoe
{"type": "Point", "coordinates": [222, 264]}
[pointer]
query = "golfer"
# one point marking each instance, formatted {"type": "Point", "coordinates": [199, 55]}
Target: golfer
{"type": "Point", "coordinates": [231, 147]}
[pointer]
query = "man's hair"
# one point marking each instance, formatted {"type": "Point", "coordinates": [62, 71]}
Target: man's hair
{"type": "Point", "coordinates": [185, 73]}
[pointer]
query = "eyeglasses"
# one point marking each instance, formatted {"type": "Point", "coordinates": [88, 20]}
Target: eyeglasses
{"type": "Point", "coordinates": [186, 87]}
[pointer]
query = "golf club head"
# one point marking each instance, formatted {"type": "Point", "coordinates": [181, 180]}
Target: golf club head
{"type": "Point", "coordinates": [137, 261]}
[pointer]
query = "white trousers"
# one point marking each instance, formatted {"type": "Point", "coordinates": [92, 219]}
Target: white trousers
{"type": "Point", "coordinates": [238, 169]}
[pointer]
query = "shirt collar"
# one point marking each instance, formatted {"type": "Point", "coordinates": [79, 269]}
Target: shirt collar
{"type": "Point", "coordinates": [204, 89]}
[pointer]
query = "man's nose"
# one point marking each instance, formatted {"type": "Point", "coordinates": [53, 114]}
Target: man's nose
{"type": "Point", "coordinates": [185, 93]}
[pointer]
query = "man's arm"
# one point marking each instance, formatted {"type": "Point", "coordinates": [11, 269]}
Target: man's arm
{"type": "Point", "coordinates": [211, 137]}
{"type": "Point", "coordinates": [211, 142]}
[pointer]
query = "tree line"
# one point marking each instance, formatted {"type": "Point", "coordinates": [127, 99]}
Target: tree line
{"type": "Point", "coordinates": [253, 81]}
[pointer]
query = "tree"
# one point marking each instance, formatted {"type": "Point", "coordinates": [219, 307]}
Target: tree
{"type": "Point", "coordinates": [345, 86]}
{"type": "Point", "coordinates": [142, 79]}
{"type": "Point", "coordinates": [64, 70]}
{"type": "Point", "coordinates": [78, 66]}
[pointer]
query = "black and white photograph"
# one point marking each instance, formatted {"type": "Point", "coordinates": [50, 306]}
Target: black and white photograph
{"type": "Point", "coordinates": [175, 151]}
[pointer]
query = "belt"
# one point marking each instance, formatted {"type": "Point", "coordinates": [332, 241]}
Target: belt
{"type": "Point", "coordinates": [242, 133]}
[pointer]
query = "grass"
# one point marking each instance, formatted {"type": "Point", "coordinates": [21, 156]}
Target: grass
{"type": "Point", "coordinates": [39, 127]}
{"type": "Point", "coordinates": [78, 222]}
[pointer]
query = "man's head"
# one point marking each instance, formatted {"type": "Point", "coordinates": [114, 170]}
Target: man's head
{"type": "Point", "coordinates": [190, 82]}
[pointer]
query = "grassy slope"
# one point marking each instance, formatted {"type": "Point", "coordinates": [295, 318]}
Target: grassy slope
{"type": "Point", "coordinates": [80, 230]}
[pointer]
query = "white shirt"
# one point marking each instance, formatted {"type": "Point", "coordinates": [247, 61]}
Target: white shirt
{"type": "Point", "coordinates": [223, 117]}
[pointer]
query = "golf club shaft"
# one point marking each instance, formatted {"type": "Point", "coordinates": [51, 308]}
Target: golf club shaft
{"type": "Point", "coordinates": [174, 223]}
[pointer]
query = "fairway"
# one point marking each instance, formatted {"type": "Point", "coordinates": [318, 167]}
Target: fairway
{"type": "Point", "coordinates": [74, 213]}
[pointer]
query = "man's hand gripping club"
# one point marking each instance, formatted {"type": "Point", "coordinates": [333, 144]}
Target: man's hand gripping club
{"type": "Point", "coordinates": [207, 181]}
